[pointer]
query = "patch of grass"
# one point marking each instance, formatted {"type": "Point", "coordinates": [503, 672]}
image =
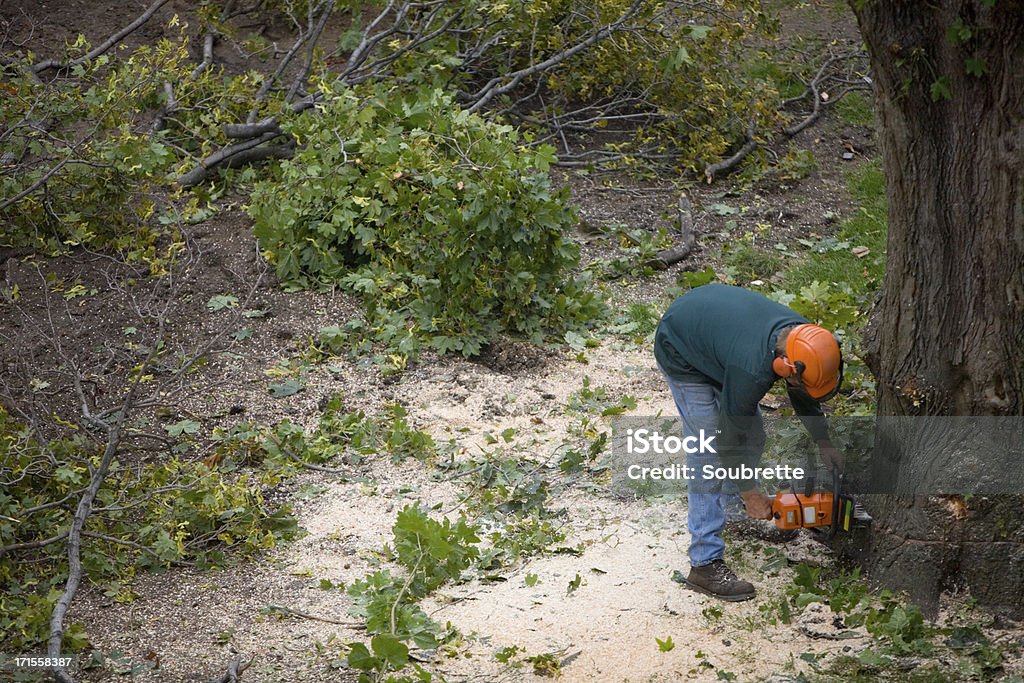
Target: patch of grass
{"type": "Point", "coordinates": [855, 109]}
{"type": "Point", "coordinates": [764, 68]}
{"type": "Point", "coordinates": [867, 227]}
{"type": "Point", "coordinates": [746, 263]}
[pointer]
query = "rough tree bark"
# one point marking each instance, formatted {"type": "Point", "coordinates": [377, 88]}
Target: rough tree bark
{"type": "Point", "coordinates": [947, 337]}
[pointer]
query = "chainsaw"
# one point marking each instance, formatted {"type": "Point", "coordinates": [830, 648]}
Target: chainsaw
{"type": "Point", "coordinates": [818, 508]}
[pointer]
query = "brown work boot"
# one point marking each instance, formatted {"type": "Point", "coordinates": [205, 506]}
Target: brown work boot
{"type": "Point", "coordinates": [717, 580]}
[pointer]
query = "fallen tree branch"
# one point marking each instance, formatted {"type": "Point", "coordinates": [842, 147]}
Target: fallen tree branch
{"type": "Point", "coordinates": [814, 90]}
{"type": "Point", "coordinates": [237, 131]}
{"type": "Point", "coordinates": [54, 646]}
{"type": "Point", "coordinates": [816, 99]}
{"type": "Point", "coordinates": [104, 46]}
{"type": "Point", "coordinates": [492, 89]}
{"type": "Point", "coordinates": [300, 80]}
{"type": "Point", "coordinates": [199, 173]}
{"type": "Point", "coordinates": [667, 257]}
{"type": "Point", "coordinates": [732, 162]}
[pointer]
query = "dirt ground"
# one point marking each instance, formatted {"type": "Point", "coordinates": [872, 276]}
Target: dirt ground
{"type": "Point", "coordinates": [185, 625]}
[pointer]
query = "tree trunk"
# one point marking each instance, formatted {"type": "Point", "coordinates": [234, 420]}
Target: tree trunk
{"type": "Point", "coordinates": [947, 337]}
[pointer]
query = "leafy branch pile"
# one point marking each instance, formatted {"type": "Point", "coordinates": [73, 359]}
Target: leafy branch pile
{"type": "Point", "coordinates": [447, 229]}
{"type": "Point", "coordinates": [149, 516]}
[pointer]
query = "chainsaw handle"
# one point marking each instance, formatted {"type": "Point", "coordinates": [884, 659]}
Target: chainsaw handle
{"type": "Point", "coordinates": [837, 481]}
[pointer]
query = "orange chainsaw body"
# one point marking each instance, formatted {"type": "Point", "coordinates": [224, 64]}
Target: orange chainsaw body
{"type": "Point", "coordinates": [815, 507]}
{"type": "Point", "coordinates": [799, 511]}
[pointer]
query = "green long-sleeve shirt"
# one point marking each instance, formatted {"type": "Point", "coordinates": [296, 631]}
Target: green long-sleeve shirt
{"type": "Point", "coordinates": [726, 336]}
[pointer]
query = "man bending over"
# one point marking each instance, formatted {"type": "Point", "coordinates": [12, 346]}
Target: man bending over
{"type": "Point", "coordinates": [720, 349]}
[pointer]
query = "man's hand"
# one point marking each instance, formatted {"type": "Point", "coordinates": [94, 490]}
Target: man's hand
{"type": "Point", "coordinates": [831, 456]}
{"type": "Point", "coordinates": [759, 506]}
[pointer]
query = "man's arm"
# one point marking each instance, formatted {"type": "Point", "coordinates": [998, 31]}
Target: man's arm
{"type": "Point", "coordinates": [739, 422]}
{"type": "Point", "coordinates": [813, 417]}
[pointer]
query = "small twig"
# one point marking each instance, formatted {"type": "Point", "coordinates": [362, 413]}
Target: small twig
{"type": "Point", "coordinates": [235, 669]}
{"type": "Point", "coordinates": [28, 545]}
{"type": "Point", "coordinates": [307, 615]}
{"type": "Point", "coordinates": [120, 541]}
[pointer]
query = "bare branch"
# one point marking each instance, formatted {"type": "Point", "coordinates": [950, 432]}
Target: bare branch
{"type": "Point", "coordinates": [728, 164]}
{"type": "Point", "coordinates": [494, 87]}
{"type": "Point", "coordinates": [300, 80]}
{"type": "Point", "coordinates": [105, 45]}
{"type": "Point", "coordinates": [207, 56]}
{"type": "Point", "coordinates": [368, 41]}
{"type": "Point", "coordinates": [251, 130]}
{"type": "Point", "coordinates": [815, 98]}
{"type": "Point", "coordinates": [170, 106]}
{"type": "Point", "coordinates": [199, 173]}
{"type": "Point", "coordinates": [28, 545]}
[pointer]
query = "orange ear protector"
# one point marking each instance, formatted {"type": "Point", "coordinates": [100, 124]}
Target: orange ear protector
{"type": "Point", "coordinates": [783, 368]}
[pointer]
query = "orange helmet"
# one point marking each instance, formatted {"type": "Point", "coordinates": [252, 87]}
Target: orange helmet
{"type": "Point", "coordinates": [813, 354]}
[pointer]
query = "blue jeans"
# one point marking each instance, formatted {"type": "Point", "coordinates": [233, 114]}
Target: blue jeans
{"type": "Point", "coordinates": [708, 506]}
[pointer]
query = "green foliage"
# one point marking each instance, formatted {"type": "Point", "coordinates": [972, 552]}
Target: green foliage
{"type": "Point", "coordinates": [672, 64]}
{"type": "Point", "coordinates": [388, 654]}
{"type": "Point", "coordinates": [901, 627]}
{"type": "Point", "coordinates": [899, 631]}
{"type": "Point", "coordinates": [432, 553]}
{"type": "Point", "coordinates": [448, 230]}
{"type": "Point", "coordinates": [339, 433]}
{"type": "Point", "coordinates": [844, 592]}
{"type": "Point", "coordinates": [435, 552]}
{"type": "Point", "coordinates": [589, 399]}
{"type": "Point", "coordinates": [106, 172]}
{"type": "Point", "coordinates": [834, 262]}
{"type": "Point", "coordinates": [508, 498]}
{"type": "Point", "coordinates": [694, 279]}
{"type": "Point", "coordinates": [636, 320]}
{"type": "Point", "coordinates": [188, 513]}
{"type": "Point", "coordinates": [797, 164]}
{"type": "Point", "coordinates": [637, 250]}
{"type": "Point", "coordinates": [545, 664]}
{"type": "Point", "coordinates": [99, 196]}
